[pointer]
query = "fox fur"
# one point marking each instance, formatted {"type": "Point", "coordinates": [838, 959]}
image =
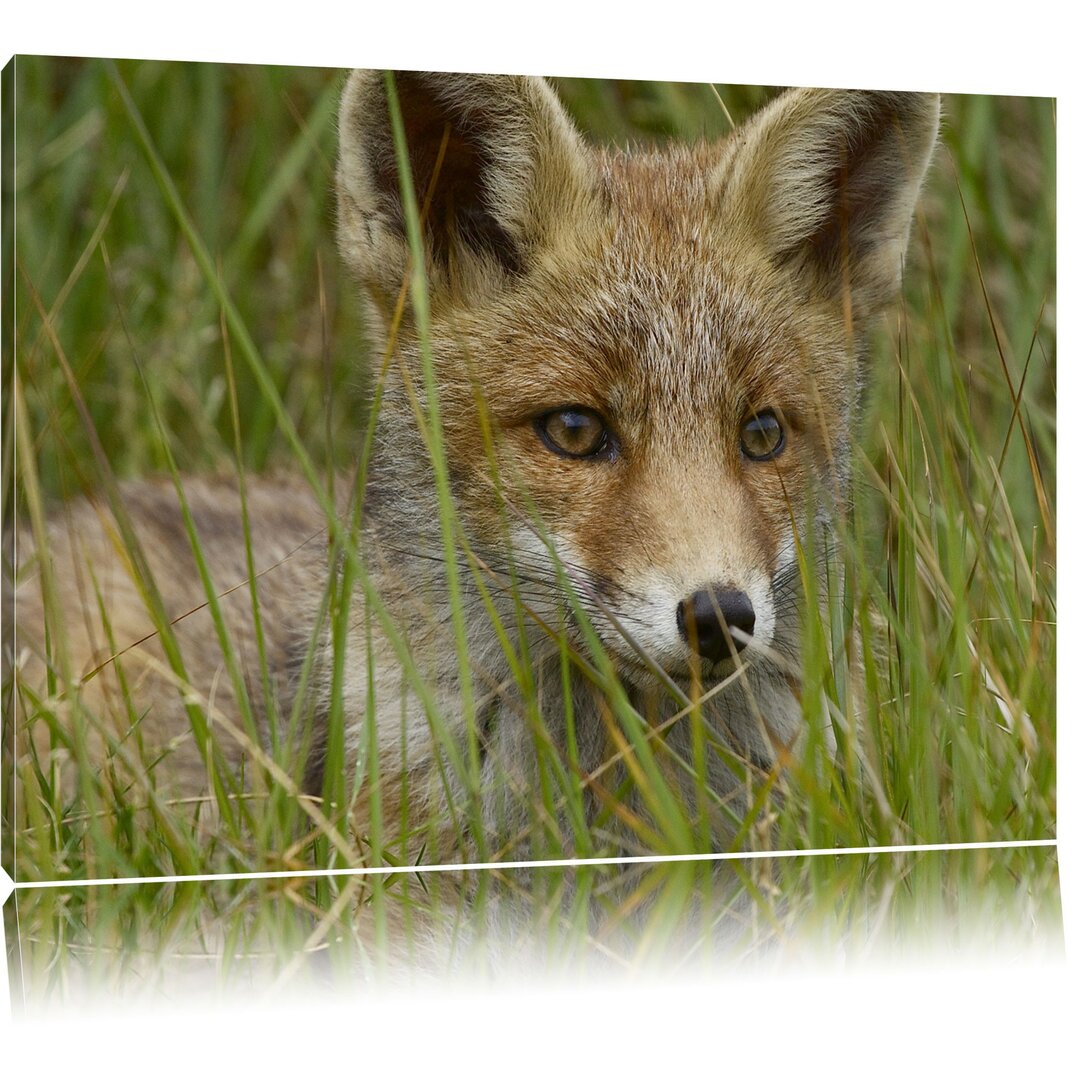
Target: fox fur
{"type": "Point", "coordinates": [680, 301]}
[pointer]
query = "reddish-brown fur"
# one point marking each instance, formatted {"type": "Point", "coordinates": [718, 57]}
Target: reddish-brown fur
{"type": "Point", "coordinates": [678, 294]}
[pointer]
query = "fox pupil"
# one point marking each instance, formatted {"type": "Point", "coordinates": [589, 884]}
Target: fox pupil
{"type": "Point", "coordinates": [573, 432]}
{"type": "Point", "coordinates": [762, 436]}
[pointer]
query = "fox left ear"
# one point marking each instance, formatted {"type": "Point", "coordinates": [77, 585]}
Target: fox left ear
{"type": "Point", "coordinates": [495, 164]}
{"type": "Point", "coordinates": [828, 180]}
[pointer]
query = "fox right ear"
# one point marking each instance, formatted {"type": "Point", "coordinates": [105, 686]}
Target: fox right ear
{"type": "Point", "coordinates": [826, 181]}
{"type": "Point", "coordinates": [494, 163]}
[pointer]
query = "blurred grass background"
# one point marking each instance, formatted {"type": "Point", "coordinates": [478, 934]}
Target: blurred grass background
{"type": "Point", "coordinates": [952, 556]}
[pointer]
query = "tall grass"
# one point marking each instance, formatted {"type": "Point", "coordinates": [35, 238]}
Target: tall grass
{"type": "Point", "coordinates": [179, 309]}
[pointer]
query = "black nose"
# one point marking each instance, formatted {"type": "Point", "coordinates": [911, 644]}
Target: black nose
{"type": "Point", "coordinates": [706, 619]}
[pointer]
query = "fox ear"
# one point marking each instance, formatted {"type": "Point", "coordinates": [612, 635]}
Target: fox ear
{"type": "Point", "coordinates": [828, 179]}
{"type": "Point", "coordinates": [494, 159]}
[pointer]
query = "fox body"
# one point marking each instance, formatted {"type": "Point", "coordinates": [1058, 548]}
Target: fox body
{"type": "Point", "coordinates": [638, 371]}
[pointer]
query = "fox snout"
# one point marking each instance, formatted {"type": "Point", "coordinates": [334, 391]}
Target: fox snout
{"type": "Point", "coordinates": [717, 622]}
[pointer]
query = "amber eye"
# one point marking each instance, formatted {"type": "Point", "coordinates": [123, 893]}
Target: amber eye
{"type": "Point", "coordinates": [762, 436]}
{"type": "Point", "coordinates": [574, 432]}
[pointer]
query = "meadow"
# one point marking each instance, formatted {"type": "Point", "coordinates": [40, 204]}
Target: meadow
{"type": "Point", "coordinates": [176, 306]}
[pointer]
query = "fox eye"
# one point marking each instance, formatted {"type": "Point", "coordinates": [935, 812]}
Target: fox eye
{"type": "Point", "coordinates": [762, 436]}
{"type": "Point", "coordinates": [573, 432]}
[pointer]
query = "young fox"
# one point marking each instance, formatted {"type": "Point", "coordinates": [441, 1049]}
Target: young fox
{"type": "Point", "coordinates": [610, 409]}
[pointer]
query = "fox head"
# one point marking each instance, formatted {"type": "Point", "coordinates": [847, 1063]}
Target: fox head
{"type": "Point", "coordinates": [660, 349]}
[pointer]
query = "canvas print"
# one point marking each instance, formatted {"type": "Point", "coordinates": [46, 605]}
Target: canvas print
{"type": "Point", "coordinates": [432, 500]}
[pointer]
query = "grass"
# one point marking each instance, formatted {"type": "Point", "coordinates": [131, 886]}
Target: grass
{"type": "Point", "coordinates": [179, 309]}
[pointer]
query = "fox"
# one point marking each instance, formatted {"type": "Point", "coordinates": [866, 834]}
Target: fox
{"type": "Point", "coordinates": [615, 391]}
